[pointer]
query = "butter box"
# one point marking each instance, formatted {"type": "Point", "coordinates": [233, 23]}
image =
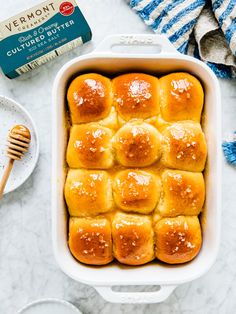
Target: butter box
{"type": "Point", "coordinates": [40, 34]}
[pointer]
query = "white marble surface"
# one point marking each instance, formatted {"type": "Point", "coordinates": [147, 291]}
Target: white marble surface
{"type": "Point", "coordinates": [28, 270]}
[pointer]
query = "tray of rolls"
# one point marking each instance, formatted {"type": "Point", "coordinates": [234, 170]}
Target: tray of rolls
{"type": "Point", "coordinates": [135, 169]}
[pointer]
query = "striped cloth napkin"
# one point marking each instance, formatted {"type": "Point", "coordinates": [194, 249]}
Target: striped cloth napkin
{"type": "Point", "coordinates": [202, 28]}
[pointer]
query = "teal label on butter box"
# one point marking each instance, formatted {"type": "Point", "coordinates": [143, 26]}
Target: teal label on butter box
{"type": "Point", "coordinates": [40, 34]}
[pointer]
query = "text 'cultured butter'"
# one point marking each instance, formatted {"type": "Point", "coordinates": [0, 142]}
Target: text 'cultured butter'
{"type": "Point", "coordinates": [40, 34]}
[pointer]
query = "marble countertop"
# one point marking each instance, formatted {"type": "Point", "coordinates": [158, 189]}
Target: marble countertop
{"type": "Point", "coordinates": [28, 270]}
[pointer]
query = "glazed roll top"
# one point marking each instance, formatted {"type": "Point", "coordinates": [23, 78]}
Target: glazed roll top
{"type": "Point", "coordinates": [136, 191]}
{"type": "Point", "coordinates": [133, 239]}
{"type": "Point", "coordinates": [136, 95]}
{"type": "Point", "coordinates": [184, 147]}
{"type": "Point", "coordinates": [178, 240]}
{"type": "Point", "coordinates": [90, 147]}
{"type": "Point", "coordinates": [183, 193]}
{"type": "Point", "coordinates": [89, 98]}
{"type": "Point", "coordinates": [181, 97]}
{"type": "Point", "coordinates": [137, 145]}
{"type": "Point", "coordinates": [88, 192]}
{"type": "Point", "coordinates": [90, 240]}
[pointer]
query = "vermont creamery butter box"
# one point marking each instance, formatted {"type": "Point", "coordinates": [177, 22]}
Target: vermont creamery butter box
{"type": "Point", "coordinates": [40, 34]}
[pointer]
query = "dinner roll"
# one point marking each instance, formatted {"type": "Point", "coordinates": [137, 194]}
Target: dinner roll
{"type": "Point", "coordinates": [137, 145]}
{"type": "Point", "coordinates": [181, 97]}
{"type": "Point", "coordinates": [183, 193]}
{"type": "Point", "coordinates": [136, 95]}
{"type": "Point", "coordinates": [88, 192]}
{"type": "Point", "coordinates": [90, 147]}
{"type": "Point", "coordinates": [132, 238]}
{"type": "Point", "coordinates": [89, 98]}
{"type": "Point", "coordinates": [136, 190]}
{"type": "Point", "coordinates": [90, 240]}
{"type": "Point", "coordinates": [178, 239]}
{"type": "Point", "coordinates": [184, 147]}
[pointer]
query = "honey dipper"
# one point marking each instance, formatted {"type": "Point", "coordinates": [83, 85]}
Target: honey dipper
{"type": "Point", "coordinates": [19, 140]}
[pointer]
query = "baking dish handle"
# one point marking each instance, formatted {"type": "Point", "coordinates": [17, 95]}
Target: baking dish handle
{"type": "Point", "coordinates": [161, 41]}
{"type": "Point", "coordinates": [135, 297]}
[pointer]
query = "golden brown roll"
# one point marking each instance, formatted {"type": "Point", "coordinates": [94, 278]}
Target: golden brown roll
{"type": "Point", "coordinates": [88, 192]}
{"type": "Point", "coordinates": [183, 193]}
{"type": "Point", "coordinates": [90, 240]}
{"type": "Point", "coordinates": [89, 98]}
{"type": "Point", "coordinates": [178, 239]}
{"type": "Point", "coordinates": [184, 147]}
{"type": "Point", "coordinates": [181, 97]}
{"type": "Point", "coordinates": [136, 190]}
{"type": "Point", "coordinates": [132, 239]}
{"type": "Point", "coordinates": [136, 95]}
{"type": "Point", "coordinates": [90, 147]}
{"type": "Point", "coordinates": [137, 145]}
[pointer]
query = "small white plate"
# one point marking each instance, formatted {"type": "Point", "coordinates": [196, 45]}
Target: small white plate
{"type": "Point", "coordinates": [11, 113]}
{"type": "Point", "coordinates": [49, 306]}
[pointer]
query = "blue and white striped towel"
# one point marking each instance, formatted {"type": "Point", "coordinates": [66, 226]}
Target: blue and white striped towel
{"type": "Point", "coordinates": [202, 28]}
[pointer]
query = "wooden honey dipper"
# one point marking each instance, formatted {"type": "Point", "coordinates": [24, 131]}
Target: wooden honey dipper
{"type": "Point", "coordinates": [19, 140]}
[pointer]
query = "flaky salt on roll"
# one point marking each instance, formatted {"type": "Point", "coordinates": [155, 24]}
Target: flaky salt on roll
{"type": "Point", "coordinates": [181, 97]}
{"type": "Point", "coordinates": [88, 192]}
{"type": "Point", "coordinates": [136, 95]}
{"type": "Point", "coordinates": [137, 145]}
{"type": "Point", "coordinates": [184, 147]}
{"type": "Point", "coordinates": [90, 240]}
{"type": "Point", "coordinates": [132, 238]}
{"type": "Point", "coordinates": [89, 98]}
{"type": "Point", "coordinates": [136, 190]}
{"type": "Point", "coordinates": [183, 193]}
{"type": "Point", "coordinates": [90, 147]}
{"type": "Point", "coordinates": [177, 240]}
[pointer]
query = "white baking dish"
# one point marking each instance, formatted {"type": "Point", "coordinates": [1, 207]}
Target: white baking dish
{"type": "Point", "coordinates": [105, 60]}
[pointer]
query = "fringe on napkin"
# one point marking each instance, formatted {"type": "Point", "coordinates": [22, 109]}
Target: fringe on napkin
{"type": "Point", "coordinates": [229, 149]}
